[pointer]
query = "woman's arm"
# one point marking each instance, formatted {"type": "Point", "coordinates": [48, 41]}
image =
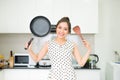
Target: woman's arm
{"type": "Point", "coordinates": [81, 59]}
{"type": "Point", "coordinates": [40, 55]}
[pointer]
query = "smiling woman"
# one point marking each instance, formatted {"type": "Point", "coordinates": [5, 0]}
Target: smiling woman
{"type": "Point", "coordinates": [60, 51]}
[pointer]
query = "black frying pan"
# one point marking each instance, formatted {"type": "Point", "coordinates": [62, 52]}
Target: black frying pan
{"type": "Point", "coordinates": [40, 26]}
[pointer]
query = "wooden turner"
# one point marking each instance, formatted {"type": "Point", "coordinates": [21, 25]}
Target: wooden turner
{"type": "Point", "coordinates": [77, 30]}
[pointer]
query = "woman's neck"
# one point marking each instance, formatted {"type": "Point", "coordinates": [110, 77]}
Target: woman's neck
{"type": "Point", "coordinates": [60, 40]}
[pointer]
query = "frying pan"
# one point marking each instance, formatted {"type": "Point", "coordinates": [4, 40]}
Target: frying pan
{"type": "Point", "coordinates": [40, 26]}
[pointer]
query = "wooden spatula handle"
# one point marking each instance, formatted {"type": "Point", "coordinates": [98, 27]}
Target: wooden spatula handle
{"type": "Point", "coordinates": [77, 30]}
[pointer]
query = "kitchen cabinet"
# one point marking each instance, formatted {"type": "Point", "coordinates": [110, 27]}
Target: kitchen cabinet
{"type": "Point", "coordinates": [16, 15]}
{"type": "Point", "coordinates": [85, 14]}
{"type": "Point", "coordinates": [113, 71]}
{"type": "Point", "coordinates": [1, 75]}
{"type": "Point", "coordinates": [88, 74]}
{"type": "Point", "coordinates": [81, 12]}
{"type": "Point", "coordinates": [60, 8]}
{"type": "Point", "coordinates": [25, 74]}
{"type": "Point", "coordinates": [42, 74]}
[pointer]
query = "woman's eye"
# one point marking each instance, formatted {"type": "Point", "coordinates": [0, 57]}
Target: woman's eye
{"type": "Point", "coordinates": [65, 29]}
{"type": "Point", "coordinates": [59, 27]}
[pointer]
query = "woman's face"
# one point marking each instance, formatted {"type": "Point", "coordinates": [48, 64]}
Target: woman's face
{"type": "Point", "coordinates": [62, 30]}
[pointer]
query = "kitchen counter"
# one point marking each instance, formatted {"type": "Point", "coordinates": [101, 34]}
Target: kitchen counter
{"type": "Point", "coordinates": [24, 73]}
{"type": "Point", "coordinates": [113, 71]}
{"type": "Point", "coordinates": [76, 68]}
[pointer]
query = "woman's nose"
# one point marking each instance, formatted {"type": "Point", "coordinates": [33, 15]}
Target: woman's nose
{"type": "Point", "coordinates": [62, 30]}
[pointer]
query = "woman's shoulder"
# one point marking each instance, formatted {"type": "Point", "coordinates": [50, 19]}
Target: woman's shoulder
{"type": "Point", "coordinates": [50, 41]}
{"type": "Point", "coordinates": [69, 41]}
{"type": "Point", "coordinates": [73, 43]}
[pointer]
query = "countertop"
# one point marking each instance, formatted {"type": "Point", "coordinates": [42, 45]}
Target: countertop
{"type": "Point", "coordinates": [76, 68]}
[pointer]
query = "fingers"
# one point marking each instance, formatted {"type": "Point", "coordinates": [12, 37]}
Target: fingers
{"type": "Point", "coordinates": [25, 46]}
{"type": "Point", "coordinates": [86, 44]}
{"type": "Point", "coordinates": [84, 41]}
{"type": "Point", "coordinates": [28, 44]}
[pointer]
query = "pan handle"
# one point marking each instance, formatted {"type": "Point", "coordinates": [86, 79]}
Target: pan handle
{"type": "Point", "coordinates": [29, 43]}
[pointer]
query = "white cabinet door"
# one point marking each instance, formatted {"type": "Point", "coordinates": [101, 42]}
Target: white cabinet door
{"type": "Point", "coordinates": [16, 15]}
{"type": "Point", "coordinates": [113, 71]}
{"type": "Point", "coordinates": [85, 14]}
{"type": "Point", "coordinates": [81, 12]}
{"type": "Point", "coordinates": [16, 74]}
{"type": "Point", "coordinates": [44, 8]}
{"type": "Point", "coordinates": [1, 75]}
{"type": "Point", "coordinates": [60, 8]}
{"type": "Point", "coordinates": [42, 74]}
{"type": "Point", "coordinates": [38, 74]}
{"type": "Point", "coordinates": [25, 74]}
{"type": "Point", "coordinates": [88, 74]}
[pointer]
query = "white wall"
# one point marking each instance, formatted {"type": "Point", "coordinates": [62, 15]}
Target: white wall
{"type": "Point", "coordinates": [108, 38]}
{"type": "Point", "coordinates": [16, 42]}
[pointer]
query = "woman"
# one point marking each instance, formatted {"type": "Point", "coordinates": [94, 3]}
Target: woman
{"type": "Point", "coordinates": [60, 51]}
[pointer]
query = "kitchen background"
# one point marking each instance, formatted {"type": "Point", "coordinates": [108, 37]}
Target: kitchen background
{"type": "Point", "coordinates": [16, 42]}
{"type": "Point", "coordinates": [103, 43]}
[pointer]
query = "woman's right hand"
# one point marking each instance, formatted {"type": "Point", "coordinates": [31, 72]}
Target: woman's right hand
{"type": "Point", "coordinates": [28, 44]}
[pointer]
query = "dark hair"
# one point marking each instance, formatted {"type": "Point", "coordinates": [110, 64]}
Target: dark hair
{"type": "Point", "coordinates": [65, 19]}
